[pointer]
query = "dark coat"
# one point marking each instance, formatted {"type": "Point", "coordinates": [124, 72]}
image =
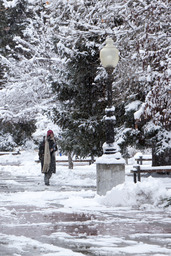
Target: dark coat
{"type": "Point", "coordinates": [53, 149]}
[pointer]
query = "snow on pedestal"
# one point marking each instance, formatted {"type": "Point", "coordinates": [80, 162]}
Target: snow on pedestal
{"type": "Point", "coordinates": [110, 171]}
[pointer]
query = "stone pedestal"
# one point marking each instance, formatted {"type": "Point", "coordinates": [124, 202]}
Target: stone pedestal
{"type": "Point", "coordinates": [109, 173]}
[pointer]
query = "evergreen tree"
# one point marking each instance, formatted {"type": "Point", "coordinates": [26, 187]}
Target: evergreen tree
{"type": "Point", "coordinates": [83, 101]}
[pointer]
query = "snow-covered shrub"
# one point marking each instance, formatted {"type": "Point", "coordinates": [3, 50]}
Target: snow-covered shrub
{"type": "Point", "coordinates": [6, 142]}
{"type": "Point", "coordinates": [17, 133]}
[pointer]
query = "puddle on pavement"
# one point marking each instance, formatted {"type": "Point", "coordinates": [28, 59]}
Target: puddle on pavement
{"type": "Point", "coordinates": [33, 223]}
{"type": "Point", "coordinates": [30, 221]}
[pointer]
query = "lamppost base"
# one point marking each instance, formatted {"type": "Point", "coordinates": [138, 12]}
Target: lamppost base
{"type": "Point", "coordinates": [110, 172]}
{"type": "Point", "coordinates": [110, 168]}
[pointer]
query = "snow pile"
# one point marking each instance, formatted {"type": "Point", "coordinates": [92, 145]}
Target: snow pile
{"type": "Point", "coordinates": [142, 194]}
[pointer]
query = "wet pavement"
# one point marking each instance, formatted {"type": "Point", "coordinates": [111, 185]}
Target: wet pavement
{"type": "Point", "coordinates": [35, 230]}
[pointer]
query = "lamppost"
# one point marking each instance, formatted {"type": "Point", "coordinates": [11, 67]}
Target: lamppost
{"type": "Point", "coordinates": [109, 57]}
{"type": "Point", "coordinates": [110, 167]}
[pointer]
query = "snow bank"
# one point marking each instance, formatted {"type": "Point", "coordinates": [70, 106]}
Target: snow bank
{"type": "Point", "coordinates": [142, 194]}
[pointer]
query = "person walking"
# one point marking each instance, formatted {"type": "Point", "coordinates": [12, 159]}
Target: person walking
{"type": "Point", "coordinates": [47, 149]}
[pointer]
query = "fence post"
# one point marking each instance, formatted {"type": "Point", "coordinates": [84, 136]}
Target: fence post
{"type": "Point", "coordinates": [139, 175]}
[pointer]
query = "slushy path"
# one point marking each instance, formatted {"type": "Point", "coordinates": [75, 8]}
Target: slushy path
{"type": "Point", "coordinates": [40, 221]}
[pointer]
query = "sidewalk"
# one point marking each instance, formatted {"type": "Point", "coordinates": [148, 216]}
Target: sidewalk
{"type": "Point", "coordinates": [66, 219]}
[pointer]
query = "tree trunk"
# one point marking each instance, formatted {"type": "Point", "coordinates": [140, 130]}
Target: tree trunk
{"type": "Point", "coordinates": [70, 162]}
{"type": "Point", "coordinates": [92, 159]}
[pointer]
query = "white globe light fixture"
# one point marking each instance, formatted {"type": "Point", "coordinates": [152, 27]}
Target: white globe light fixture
{"type": "Point", "coordinates": [109, 54]}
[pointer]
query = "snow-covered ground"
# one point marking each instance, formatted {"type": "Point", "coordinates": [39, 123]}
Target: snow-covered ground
{"type": "Point", "coordinates": [68, 218]}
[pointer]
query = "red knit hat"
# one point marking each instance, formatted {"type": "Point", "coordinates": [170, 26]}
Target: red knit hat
{"type": "Point", "coordinates": [49, 132]}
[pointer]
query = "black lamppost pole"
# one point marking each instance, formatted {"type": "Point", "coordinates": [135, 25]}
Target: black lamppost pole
{"type": "Point", "coordinates": [109, 57]}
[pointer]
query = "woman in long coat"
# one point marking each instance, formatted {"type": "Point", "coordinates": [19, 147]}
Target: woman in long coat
{"type": "Point", "coordinates": [47, 151]}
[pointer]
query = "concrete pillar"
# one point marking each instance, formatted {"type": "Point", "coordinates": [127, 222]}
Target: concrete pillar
{"type": "Point", "coordinates": [109, 173]}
